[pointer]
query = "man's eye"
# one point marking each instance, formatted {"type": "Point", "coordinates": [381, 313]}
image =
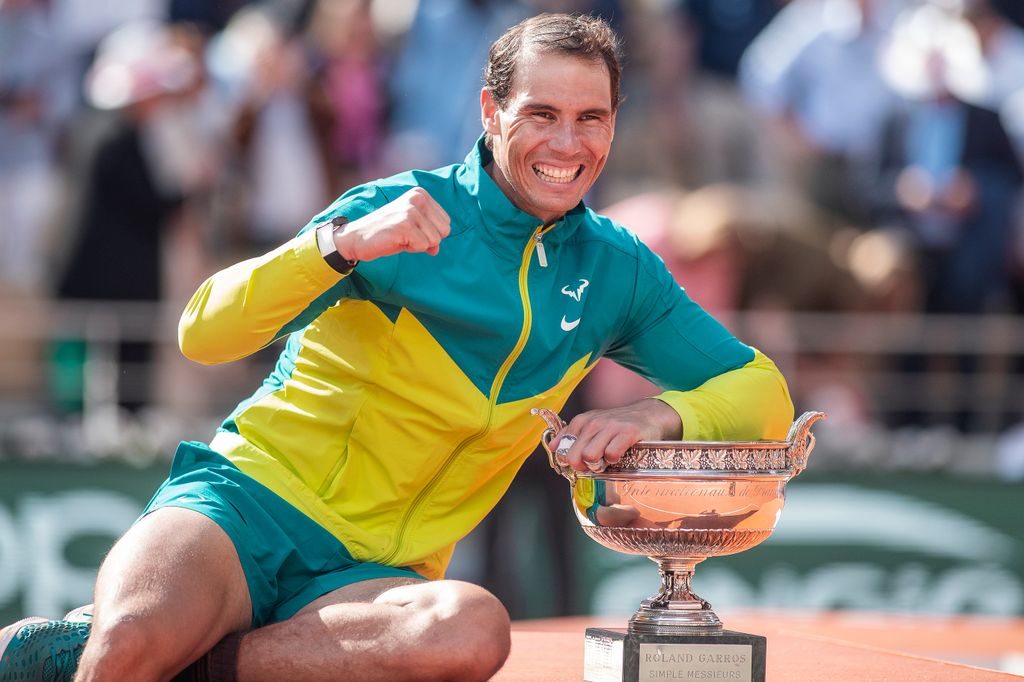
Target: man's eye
{"type": "Point", "coordinates": [546, 115]}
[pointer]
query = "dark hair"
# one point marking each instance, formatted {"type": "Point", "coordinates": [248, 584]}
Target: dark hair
{"type": "Point", "coordinates": [572, 34]}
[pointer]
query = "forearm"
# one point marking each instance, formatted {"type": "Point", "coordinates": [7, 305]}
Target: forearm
{"type": "Point", "coordinates": [244, 307]}
{"type": "Point", "coordinates": [748, 403]}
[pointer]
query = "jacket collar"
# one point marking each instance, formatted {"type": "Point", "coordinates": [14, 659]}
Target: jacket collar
{"type": "Point", "coordinates": [507, 226]}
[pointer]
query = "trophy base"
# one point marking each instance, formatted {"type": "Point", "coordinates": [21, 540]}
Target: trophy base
{"type": "Point", "coordinates": [616, 655]}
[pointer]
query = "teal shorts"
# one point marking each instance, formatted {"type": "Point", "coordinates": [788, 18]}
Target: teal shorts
{"type": "Point", "coordinates": [289, 560]}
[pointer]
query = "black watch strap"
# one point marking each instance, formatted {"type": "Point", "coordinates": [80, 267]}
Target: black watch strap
{"type": "Point", "coordinates": [325, 240]}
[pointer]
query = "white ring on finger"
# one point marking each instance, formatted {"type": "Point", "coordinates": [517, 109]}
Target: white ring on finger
{"type": "Point", "coordinates": [564, 445]}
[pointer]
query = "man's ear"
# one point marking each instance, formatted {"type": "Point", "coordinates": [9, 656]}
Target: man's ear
{"type": "Point", "coordinates": [489, 112]}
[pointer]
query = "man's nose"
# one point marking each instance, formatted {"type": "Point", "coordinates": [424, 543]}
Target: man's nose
{"type": "Point", "coordinates": [565, 138]}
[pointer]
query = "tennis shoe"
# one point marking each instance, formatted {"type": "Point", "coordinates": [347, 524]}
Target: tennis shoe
{"type": "Point", "coordinates": [40, 650]}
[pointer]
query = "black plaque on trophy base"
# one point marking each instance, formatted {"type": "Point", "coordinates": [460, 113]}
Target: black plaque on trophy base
{"type": "Point", "coordinates": [615, 655]}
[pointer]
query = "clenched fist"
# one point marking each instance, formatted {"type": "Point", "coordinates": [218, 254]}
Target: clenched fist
{"type": "Point", "coordinates": [412, 222]}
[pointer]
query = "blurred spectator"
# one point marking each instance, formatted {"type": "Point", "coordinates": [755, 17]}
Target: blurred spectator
{"type": "Point", "coordinates": [948, 168]}
{"type": "Point", "coordinates": [127, 192]}
{"type": "Point", "coordinates": [609, 10]}
{"type": "Point", "coordinates": [33, 108]}
{"type": "Point", "coordinates": [725, 29]}
{"type": "Point", "coordinates": [1001, 43]}
{"type": "Point", "coordinates": [210, 15]}
{"type": "Point", "coordinates": [282, 130]}
{"type": "Point", "coordinates": [82, 24]}
{"type": "Point", "coordinates": [344, 33]}
{"type": "Point", "coordinates": [448, 40]}
{"type": "Point", "coordinates": [950, 178]}
{"type": "Point", "coordinates": [814, 72]}
{"type": "Point", "coordinates": [677, 126]}
{"type": "Point", "coordinates": [736, 248]}
{"type": "Point", "coordinates": [36, 96]}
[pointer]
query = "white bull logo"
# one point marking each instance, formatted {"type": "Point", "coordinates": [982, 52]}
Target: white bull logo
{"type": "Point", "coordinates": [576, 293]}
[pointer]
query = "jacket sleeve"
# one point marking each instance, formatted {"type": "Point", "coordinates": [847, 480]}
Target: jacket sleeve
{"type": "Point", "coordinates": [721, 388]}
{"type": "Point", "coordinates": [247, 306]}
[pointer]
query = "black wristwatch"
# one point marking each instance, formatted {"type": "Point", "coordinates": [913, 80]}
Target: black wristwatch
{"type": "Point", "coordinates": [329, 250]}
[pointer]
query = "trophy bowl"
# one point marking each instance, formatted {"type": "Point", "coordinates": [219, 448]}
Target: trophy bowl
{"type": "Point", "coordinates": [680, 502]}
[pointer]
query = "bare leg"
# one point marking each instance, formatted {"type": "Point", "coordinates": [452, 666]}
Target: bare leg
{"type": "Point", "coordinates": [386, 629]}
{"type": "Point", "coordinates": [169, 590]}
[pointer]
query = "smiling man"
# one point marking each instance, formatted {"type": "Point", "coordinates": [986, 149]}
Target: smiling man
{"type": "Point", "coordinates": [552, 142]}
{"type": "Point", "coordinates": [425, 314]}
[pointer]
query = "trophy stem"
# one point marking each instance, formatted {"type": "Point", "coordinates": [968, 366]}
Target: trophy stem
{"type": "Point", "coordinates": [675, 609]}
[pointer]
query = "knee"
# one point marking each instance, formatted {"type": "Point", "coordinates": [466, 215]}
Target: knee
{"type": "Point", "coordinates": [471, 631]}
{"type": "Point", "coordinates": [123, 642]}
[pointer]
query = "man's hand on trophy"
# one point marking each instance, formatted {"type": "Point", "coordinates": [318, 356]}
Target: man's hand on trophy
{"type": "Point", "coordinates": [412, 222]}
{"type": "Point", "coordinates": [595, 439]}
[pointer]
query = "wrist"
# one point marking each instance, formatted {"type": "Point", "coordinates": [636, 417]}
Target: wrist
{"type": "Point", "coordinates": [343, 243]}
{"type": "Point", "coordinates": [666, 419]}
{"type": "Point", "coordinates": [327, 236]}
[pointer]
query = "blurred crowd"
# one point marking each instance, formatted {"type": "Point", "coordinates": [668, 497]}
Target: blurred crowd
{"type": "Point", "coordinates": [809, 155]}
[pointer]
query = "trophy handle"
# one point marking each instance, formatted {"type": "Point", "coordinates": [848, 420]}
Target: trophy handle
{"type": "Point", "coordinates": [555, 424]}
{"type": "Point", "coordinates": [801, 440]}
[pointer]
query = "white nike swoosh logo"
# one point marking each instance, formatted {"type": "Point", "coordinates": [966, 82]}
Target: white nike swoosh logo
{"type": "Point", "coordinates": [569, 326]}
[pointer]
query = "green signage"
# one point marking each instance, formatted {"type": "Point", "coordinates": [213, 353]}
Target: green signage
{"type": "Point", "coordinates": [889, 543]}
{"type": "Point", "coordinates": [56, 524]}
{"type": "Point", "coordinates": [892, 543]}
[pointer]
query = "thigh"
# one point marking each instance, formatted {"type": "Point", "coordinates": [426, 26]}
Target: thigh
{"type": "Point", "coordinates": [363, 592]}
{"type": "Point", "coordinates": [384, 629]}
{"type": "Point", "coordinates": [342, 581]}
{"type": "Point", "coordinates": [176, 575]}
{"type": "Point", "coordinates": [463, 605]}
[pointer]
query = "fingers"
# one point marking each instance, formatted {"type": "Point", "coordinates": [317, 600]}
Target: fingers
{"type": "Point", "coordinates": [413, 222]}
{"type": "Point", "coordinates": [597, 444]}
{"type": "Point", "coordinates": [593, 448]}
{"type": "Point", "coordinates": [595, 439]}
{"type": "Point", "coordinates": [420, 198]}
{"type": "Point", "coordinates": [617, 447]}
{"type": "Point", "coordinates": [428, 222]}
{"type": "Point", "coordinates": [418, 239]}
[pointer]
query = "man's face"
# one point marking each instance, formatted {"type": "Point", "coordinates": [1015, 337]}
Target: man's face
{"type": "Point", "coordinates": [552, 138]}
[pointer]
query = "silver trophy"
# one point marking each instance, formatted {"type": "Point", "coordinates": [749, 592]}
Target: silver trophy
{"type": "Point", "coordinates": [678, 503]}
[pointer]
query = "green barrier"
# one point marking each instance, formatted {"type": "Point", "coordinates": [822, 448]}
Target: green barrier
{"type": "Point", "coordinates": [894, 543]}
{"type": "Point", "coordinates": [56, 524]}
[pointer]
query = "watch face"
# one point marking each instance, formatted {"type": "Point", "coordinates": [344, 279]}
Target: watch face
{"type": "Point", "coordinates": [325, 240]}
{"type": "Point", "coordinates": [329, 250]}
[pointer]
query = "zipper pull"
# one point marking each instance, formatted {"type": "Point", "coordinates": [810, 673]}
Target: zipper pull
{"type": "Point", "coordinates": [542, 257]}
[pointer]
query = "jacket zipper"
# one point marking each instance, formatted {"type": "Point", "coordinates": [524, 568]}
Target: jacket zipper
{"type": "Point", "coordinates": [542, 257]}
{"type": "Point", "coordinates": [499, 379]}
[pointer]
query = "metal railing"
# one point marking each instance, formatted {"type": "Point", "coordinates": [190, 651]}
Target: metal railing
{"type": "Point", "coordinates": [878, 373]}
{"type": "Point", "coordinates": [937, 365]}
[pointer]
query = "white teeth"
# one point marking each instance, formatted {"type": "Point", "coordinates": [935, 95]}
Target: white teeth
{"type": "Point", "coordinates": [555, 174]}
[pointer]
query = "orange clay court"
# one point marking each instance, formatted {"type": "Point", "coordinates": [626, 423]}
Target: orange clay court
{"type": "Point", "coordinates": [830, 647]}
